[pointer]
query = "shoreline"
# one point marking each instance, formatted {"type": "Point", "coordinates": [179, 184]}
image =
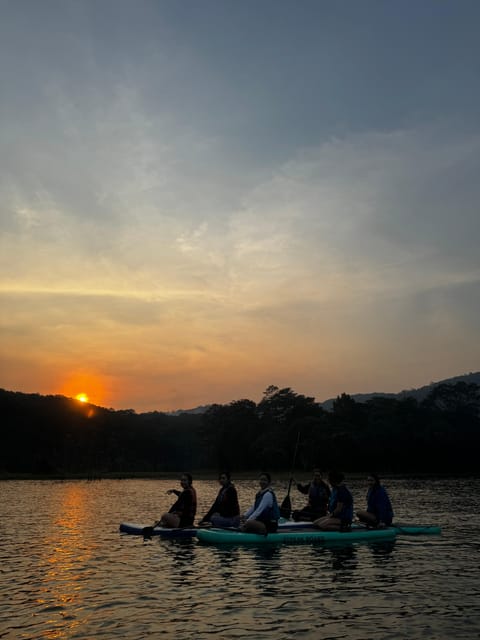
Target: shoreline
{"type": "Point", "coordinates": [205, 474]}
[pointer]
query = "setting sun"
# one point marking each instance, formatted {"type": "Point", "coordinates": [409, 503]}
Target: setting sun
{"type": "Point", "coordinates": [86, 387]}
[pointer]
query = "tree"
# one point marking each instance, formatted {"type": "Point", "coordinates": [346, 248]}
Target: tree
{"type": "Point", "coordinates": [231, 431]}
{"type": "Point", "coordinates": [460, 398]}
{"type": "Point", "coordinates": [279, 413]}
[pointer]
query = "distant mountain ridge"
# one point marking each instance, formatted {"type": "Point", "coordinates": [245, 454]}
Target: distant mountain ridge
{"type": "Point", "coordinates": [200, 409]}
{"type": "Point", "coordinates": [419, 394]}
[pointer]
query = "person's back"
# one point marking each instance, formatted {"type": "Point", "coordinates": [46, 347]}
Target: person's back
{"type": "Point", "coordinates": [340, 506]}
{"type": "Point", "coordinates": [379, 512]}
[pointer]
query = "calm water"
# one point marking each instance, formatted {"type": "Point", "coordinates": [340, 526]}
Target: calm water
{"type": "Point", "coordinates": [66, 572]}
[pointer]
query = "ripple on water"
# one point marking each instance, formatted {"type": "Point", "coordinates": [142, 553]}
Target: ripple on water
{"type": "Point", "coordinates": [68, 573]}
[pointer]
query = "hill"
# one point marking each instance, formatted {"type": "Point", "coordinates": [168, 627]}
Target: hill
{"type": "Point", "coordinates": [419, 394]}
{"type": "Point", "coordinates": [58, 436]}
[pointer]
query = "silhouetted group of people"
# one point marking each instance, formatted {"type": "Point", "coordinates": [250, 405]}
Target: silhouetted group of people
{"type": "Point", "coordinates": [329, 505]}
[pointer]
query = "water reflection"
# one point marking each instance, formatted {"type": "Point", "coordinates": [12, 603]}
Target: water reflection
{"type": "Point", "coordinates": [341, 558]}
{"type": "Point", "coordinates": [62, 562]}
{"type": "Point", "coordinates": [344, 561]}
{"type": "Point", "coordinates": [227, 560]}
{"type": "Point", "coordinates": [180, 553]}
{"type": "Point", "coordinates": [268, 569]}
{"type": "Point", "coordinates": [66, 573]}
{"type": "Point", "coordinates": [382, 550]}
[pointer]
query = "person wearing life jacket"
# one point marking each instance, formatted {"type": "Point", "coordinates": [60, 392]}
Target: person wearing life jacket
{"type": "Point", "coordinates": [379, 512]}
{"type": "Point", "coordinates": [318, 493]}
{"type": "Point", "coordinates": [340, 506]}
{"type": "Point", "coordinates": [225, 511]}
{"type": "Point", "coordinates": [263, 515]}
{"type": "Point", "coordinates": [182, 512]}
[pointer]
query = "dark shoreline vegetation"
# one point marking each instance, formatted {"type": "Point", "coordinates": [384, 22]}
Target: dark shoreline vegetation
{"type": "Point", "coordinates": [60, 438]}
{"type": "Point", "coordinates": [279, 477]}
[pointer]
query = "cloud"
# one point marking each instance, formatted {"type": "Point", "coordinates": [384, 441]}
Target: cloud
{"type": "Point", "coordinates": [388, 210]}
{"type": "Point", "coordinates": [358, 216]}
{"type": "Point", "coordinates": [177, 205]}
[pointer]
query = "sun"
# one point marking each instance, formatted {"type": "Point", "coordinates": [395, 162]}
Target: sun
{"type": "Point", "coordinates": [81, 397]}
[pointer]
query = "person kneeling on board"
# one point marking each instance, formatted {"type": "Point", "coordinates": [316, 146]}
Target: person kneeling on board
{"type": "Point", "coordinates": [182, 512]}
{"type": "Point", "coordinates": [263, 515]}
{"type": "Point", "coordinates": [379, 512]}
{"type": "Point", "coordinates": [318, 493]}
{"type": "Point", "coordinates": [225, 511]}
{"type": "Point", "coordinates": [340, 506]}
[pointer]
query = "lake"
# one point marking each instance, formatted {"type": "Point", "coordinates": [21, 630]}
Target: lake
{"type": "Point", "coordinates": [66, 572]}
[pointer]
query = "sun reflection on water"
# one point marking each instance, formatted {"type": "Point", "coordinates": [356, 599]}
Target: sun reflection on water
{"type": "Point", "coordinates": [65, 565]}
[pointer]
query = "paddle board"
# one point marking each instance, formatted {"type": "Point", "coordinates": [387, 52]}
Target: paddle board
{"type": "Point", "coordinates": [299, 536]}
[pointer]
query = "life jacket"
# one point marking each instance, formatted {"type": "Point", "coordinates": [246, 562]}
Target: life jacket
{"type": "Point", "coordinates": [378, 503]}
{"type": "Point", "coordinates": [271, 513]}
{"type": "Point", "coordinates": [346, 514]}
{"type": "Point", "coordinates": [318, 495]}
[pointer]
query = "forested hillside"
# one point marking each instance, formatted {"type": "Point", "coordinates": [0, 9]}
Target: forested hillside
{"type": "Point", "coordinates": [54, 435]}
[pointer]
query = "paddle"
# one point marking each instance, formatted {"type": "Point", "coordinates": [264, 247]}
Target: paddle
{"type": "Point", "coordinates": [286, 506]}
{"type": "Point", "coordinates": [148, 531]}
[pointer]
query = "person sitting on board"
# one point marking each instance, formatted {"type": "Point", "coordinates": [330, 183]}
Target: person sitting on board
{"type": "Point", "coordinates": [225, 511]}
{"type": "Point", "coordinates": [340, 506]}
{"type": "Point", "coordinates": [318, 493]}
{"type": "Point", "coordinates": [263, 515]}
{"type": "Point", "coordinates": [379, 512]}
{"type": "Point", "coordinates": [182, 512]}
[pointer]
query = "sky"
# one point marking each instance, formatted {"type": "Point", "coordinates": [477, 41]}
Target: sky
{"type": "Point", "coordinates": [202, 198]}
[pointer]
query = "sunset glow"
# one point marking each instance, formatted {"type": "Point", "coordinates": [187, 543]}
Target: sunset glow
{"type": "Point", "coordinates": [188, 216]}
